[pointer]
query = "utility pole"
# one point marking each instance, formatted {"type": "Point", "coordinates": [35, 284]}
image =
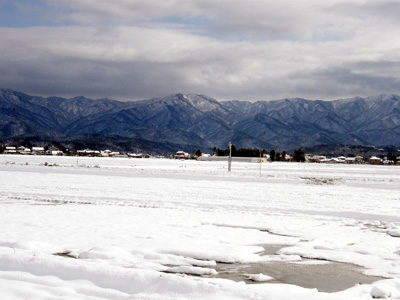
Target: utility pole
{"type": "Point", "coordinates": [230, 157]}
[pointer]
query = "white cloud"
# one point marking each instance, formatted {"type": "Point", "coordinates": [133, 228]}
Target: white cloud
{"type": "Point", "coordinates": [265, 19]}
{"type": "Point", "coordinates": [251, 50]}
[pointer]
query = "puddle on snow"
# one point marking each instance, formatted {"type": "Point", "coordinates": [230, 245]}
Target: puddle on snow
{"type": "Point", "coordinates": [322, 275]}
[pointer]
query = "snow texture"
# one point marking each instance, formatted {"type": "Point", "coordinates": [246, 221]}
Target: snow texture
{"type": "Point", "coordinates": [118, 228]}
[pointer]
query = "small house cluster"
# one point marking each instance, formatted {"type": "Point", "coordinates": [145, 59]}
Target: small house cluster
{"type": "Point", "coordinates": [55, 151]}
{"type": "Point", "coordinates": [109, 153]}
{"type": "Point", "coordinates": [34, 151]}
{"type": "Point", "coordinates": [373, 160]}
{"type": "Point", "coordinates": [97, 153]}
{"type": "Point", "coordinates": [335, 160]}
{"type": "Point", "coordinates": [138, 155]}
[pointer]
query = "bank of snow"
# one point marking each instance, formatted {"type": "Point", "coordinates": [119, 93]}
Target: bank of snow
{"type": "Point", "coordinates": [135, 229]}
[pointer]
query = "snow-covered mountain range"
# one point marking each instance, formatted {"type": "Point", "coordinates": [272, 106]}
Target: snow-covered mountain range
{"type": "Point", "coordinates": [197, 120]}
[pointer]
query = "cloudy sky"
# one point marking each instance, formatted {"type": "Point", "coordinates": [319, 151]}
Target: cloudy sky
{"type": "Point", "coordinates": [226, 49]}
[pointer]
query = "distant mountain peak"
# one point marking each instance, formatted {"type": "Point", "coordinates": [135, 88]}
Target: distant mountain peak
{"type": "Point", "coordinates": [202, 103]}
{"type": "Point", "coordinates": [193, 119]}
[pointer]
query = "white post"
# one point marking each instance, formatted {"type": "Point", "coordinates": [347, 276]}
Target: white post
{"type": "Point", "coordinates": [230, 157]}
{"type": "Point", "coordinates": [260, 163]}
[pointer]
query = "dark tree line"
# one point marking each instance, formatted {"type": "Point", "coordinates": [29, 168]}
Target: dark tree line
{"type": "Point", "coordinates": [251, 152]}
{"type": "Point", "coordinates": [276, 156]}
{"type": "Point", "coordinates": [392, 158]}
{"type": "Point", "coordinates": [299, 156]}
{"type": "Point", "coordinates": [242, 152]}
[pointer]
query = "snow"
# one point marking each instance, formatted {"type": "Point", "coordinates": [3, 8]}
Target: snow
{"type": "Point", "coordinates": [191, 270]}
{"type": "Point", "coordinates": [260, 277]}
{"type": "Point", "coordinates": [119, 228]}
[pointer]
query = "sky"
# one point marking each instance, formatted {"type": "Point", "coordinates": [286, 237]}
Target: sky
{"type": "Point", "coordinates": [227, 49]}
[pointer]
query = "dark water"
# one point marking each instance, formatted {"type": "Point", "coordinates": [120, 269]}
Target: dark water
{"type": "Point", "coordinates": [326, 277]}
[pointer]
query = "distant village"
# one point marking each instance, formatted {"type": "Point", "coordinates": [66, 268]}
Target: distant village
{"type": "Point", "coordinates": [265, 157]}
{"type": "Point", "coordinates": [21, 150]}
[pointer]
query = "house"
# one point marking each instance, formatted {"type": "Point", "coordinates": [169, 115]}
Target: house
{"type": "Point", "coordinates": [26, 151]}
{"type": "Point", "coordinates": [182, 155]}
{"type": "Point", "coordinates": [10, 150]}
{"type": "Point", "coordinates": [315, 158]}
{"type": "Point", "coordinates": [88, 152]}
{"type": "Point", "coordinates": [106, 153]}
{"type": "Point", "coordinates": [334, 160]}
{"type": "Point", "coordinates": [56, 152]}
{"type": "Point", "coordinates": [38, 150]}
{"type": "Point", "coordinates": [373, 160]}
{"type": "Point", "coordinates": [359, 159]}
{"type": "Point", "coordinates": [351, 160]}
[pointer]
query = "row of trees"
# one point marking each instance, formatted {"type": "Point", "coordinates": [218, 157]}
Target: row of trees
{"type": "Point", "coordinates": [242, 152]}
{"type": "Point", "coordinates": [392, 158]}
{"type": "Point", "coordinates": [298, 155]}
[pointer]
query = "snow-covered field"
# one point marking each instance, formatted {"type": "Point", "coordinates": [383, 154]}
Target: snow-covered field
{"type": "Point", "coordinates": [118, 228]}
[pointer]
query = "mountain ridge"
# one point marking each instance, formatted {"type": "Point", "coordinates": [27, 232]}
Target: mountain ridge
{"type": "Point", "coordinates": [191, 119]}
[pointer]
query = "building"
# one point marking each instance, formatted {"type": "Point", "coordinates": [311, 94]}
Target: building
{"type": "Point", "coordinates": [105, 153]}
{"type": "Point", "coordinates": [10, 150]}
{"type": "Point", "coordinates": [26, 151]}
{"type": "Point", "coordinates": [88, 152]}
{"type": "Point", "coordinates": [38, 151]}
{"type": "Point", "coordinates": [373, 160]}
{"type": "Point", "coordinates": [182, 155]}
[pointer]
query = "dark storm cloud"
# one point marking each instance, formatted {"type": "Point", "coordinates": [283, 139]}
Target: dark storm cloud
{"type": "Point", "coordinates": [337, 82]}
{"type": "Point", "coordinates": [253, 50]}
